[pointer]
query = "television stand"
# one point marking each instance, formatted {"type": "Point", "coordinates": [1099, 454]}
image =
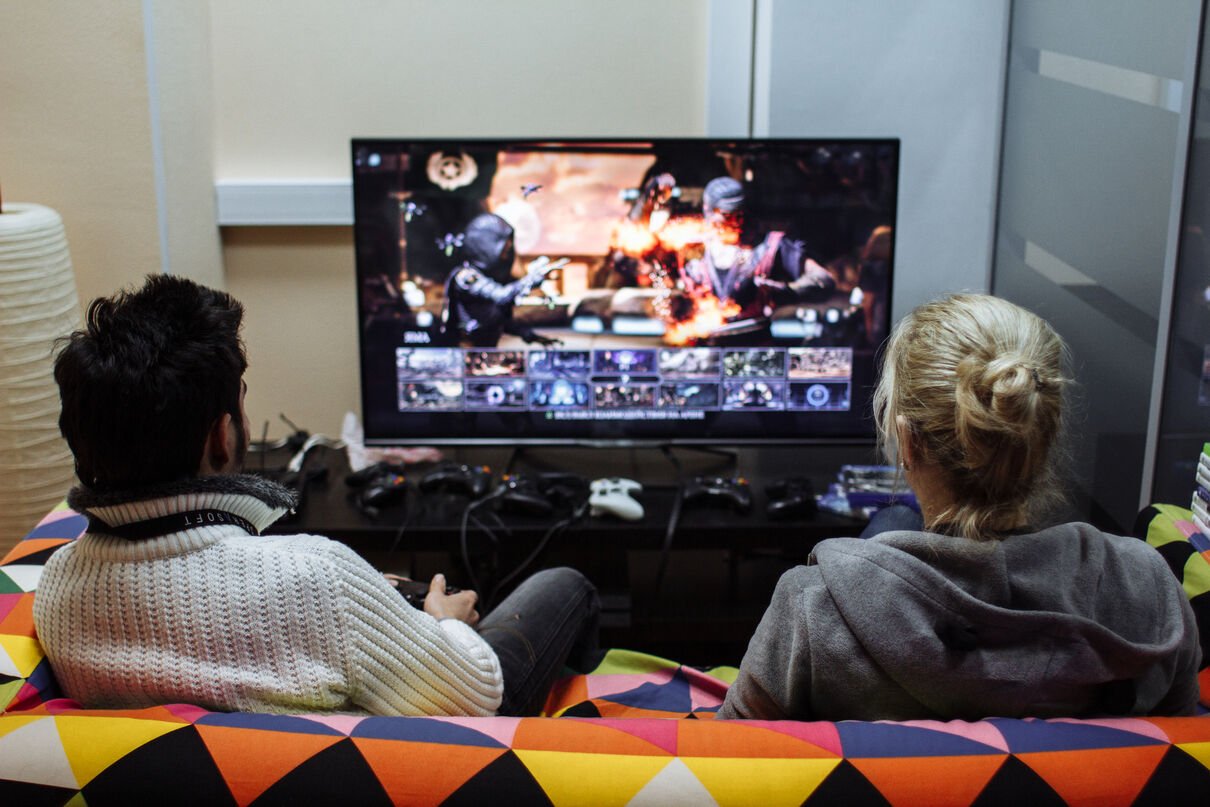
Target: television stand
{"type": "Point", "coordinates": [630, 462]}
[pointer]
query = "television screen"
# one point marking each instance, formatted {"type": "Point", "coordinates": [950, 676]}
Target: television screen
{"type": "Point", "coordinates": [657, 291]}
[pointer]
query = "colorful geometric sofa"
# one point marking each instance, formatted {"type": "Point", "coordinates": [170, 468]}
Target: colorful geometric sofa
{"type": "Point", "coordinates": [637, 730]}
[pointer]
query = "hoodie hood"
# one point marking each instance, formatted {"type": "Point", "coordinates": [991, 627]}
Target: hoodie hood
{"type": "Point", "coordinates": [968, 625]}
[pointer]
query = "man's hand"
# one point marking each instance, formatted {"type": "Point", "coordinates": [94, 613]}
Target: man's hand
{"type": "Point", "coordinates": [460, 606]}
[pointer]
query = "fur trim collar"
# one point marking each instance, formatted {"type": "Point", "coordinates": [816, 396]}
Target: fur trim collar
{"type": "Point", "coordinates": [271, 493]}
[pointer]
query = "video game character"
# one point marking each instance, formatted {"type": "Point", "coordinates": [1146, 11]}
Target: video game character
{"type": "Point", "coordinates": [479, 294]}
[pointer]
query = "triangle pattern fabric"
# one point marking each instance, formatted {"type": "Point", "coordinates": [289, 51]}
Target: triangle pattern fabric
{"type": "Point", "coordinates": [507, 775]}
{"type": "Point", "coordinates": [422, 729]}
{"type": "Point", "coordinates": [1105, 776]}
{"type": "Point", "coordinates": [34, 550]}
{"type": "Point", "coordinates": [313, 781]}
{"type": "Point", "coordinates": [19, 655]}
{"type": "Point", "coordinates": [24, 577]}
{"type": "Point", "coordinates": [174, 768]}
{"type": "Point", "coordinates": [935, 780]}
{"type": "Point", "coordinates": [1062, 735]}
{"type": "Point", "coordinates": [672, 695]}
{"type": "Point", "coordinates": [1176, 777]}
{"type": "Point", "coordinates": [583, 737]}
{"type": "Point", "coordinates": [754, 740]}
{"type": "Point", "coordinates": [500, 729]}
{"type": "Point", "coordinates": [845, 785]}
{"type": "Point", "coordinates": [675, 784]}
{"type": "Point", "coordinates": [9, 602]}
{"type": "Point", "coordinates": [572, 777]}
{"type": "Point", "coordinates": [1017, 783]}
{"type": "Point", "coordinates": [32, 752]}
{"type": "Point", "coordinates": [277, 753]}
{"type": "Point", "coordinates": [787, 782]}
{"type": "Point", "coordinates": [79, 735]}
{"type": "Point", "coordinates": [31, 795]}
{"type": "Point", "coordinates": [446, 767]}
{"type": "Point", "coordinates": [889, 739]}
{"type": "Point", "coordinates": [7, 584]}
{"type": "Point", "coordinates": [286, 724]}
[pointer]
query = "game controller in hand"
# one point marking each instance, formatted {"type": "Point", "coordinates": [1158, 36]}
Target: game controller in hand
{"type": "Point", "coordinates": [713, 490]}
{"type": "Point", "coordinates": [614, 496]}
{"type": "Point", "coordinates": [471, 480]}
{"type": "Point", "coordinates": [415, 591]}
{"type": "Point", "coordinates": [790, 498]}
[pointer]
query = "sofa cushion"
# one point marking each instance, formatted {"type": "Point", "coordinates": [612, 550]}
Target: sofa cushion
{"type": "Point", "coordinates": [1172, 531]}
{"type": "Point", "coordinates": [612, 745]}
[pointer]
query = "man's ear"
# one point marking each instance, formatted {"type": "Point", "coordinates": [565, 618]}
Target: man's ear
{"type": "Point", "coordinates": [216, 454]}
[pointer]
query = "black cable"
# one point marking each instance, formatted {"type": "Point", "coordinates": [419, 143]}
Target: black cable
{"type": "Point", "coordinates": [556, 529]}
{"type": "Point", "coordinates": [466, 517]}
{"type": "Point", "coordinates": [673, 518]}
{"type": "Point", "coordinates": [403, 527]}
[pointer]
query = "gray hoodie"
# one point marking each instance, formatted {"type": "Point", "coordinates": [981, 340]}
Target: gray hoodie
{"type": "Point", "coordinates": [1068, 621]}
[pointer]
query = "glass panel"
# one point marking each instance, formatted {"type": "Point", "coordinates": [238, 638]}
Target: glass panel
{"type": "Point", "coordinates": [1185, 409]}
{"type": "Point", "coordinates": [1091, 134]}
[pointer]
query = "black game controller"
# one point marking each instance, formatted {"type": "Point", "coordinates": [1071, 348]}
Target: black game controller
{"type": "Point", "coordinates": [371, 473]}
{"type": "Point", "coordinates": [415, 591]}
{"type": "Point", "coordinates": [471, 480]}
{"type": "Point", "coordinates": [523, 493]}
{"type": "Point", "coordinates": [379, 485]}
{"type": "Point", "coordinates": [790, 498]}
{"type": "Point", "coordinates": [713, 490]}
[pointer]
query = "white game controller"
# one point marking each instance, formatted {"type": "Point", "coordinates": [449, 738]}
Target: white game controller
{"type": "Point", "coordinates": [612, 497]}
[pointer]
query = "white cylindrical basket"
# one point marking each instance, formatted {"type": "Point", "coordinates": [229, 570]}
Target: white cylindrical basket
{"type": "Point", "coordinates": [38, 304]}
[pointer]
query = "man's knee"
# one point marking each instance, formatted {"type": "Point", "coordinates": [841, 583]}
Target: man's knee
{"type": "Point", "coordinates": [565, 579]}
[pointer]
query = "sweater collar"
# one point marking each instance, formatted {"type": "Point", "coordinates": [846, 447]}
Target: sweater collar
{"type": "Point", "coordinates": [250, 497]}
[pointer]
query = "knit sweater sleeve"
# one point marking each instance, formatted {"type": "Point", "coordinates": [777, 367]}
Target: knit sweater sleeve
{"type": "Point", "coordinates": [402, 661]}
{"type": "Point", "coordinates": [774, 678]}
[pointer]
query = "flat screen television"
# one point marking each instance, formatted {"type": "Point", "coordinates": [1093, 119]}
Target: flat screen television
{"type": "Point", "coordinates": [621, 292]}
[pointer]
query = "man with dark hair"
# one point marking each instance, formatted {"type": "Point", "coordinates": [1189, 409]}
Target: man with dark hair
{"type": "Point", "coordinates": [172, 595]}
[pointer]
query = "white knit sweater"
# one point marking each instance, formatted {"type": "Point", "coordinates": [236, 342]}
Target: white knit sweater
{"type": "Point", "coordinates": [216, 617]}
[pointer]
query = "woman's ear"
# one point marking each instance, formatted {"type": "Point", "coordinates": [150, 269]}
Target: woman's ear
{"type": "Point", "coordinates": [217, 454]}
{"type": "Point", "coordinates": [904, 444]}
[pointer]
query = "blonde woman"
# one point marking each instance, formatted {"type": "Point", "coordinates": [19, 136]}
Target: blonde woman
{"type": "Point", "coordinates": [981, 610]}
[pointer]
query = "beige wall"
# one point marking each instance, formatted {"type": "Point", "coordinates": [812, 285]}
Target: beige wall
{"type": "Point", "coordinates": [75, 131]}
{"type": "Point", "coordinates": [293, 85]}
{"type": "Point", "coordinates": [276, 89]}
{"type": "Point", "coordinates": [297, 284]}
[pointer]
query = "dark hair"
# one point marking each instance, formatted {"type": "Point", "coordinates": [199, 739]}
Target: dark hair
{"type": "Point", "coordinates": [146, 379]}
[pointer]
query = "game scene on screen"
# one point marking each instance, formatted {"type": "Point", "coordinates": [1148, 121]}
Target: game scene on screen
{"type": "Point", "coordinates": [579, 281]}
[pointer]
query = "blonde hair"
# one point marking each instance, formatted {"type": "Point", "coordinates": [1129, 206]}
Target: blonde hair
{"type": "Point", "coordinates": [980, 384]}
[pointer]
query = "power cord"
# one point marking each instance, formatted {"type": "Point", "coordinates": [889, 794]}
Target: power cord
{"type": "Point", "coordinates": [465, 528]}
{"type": "Point", "coordinates": [577, 513]}
{"type": "Point", "coordinates": [673, 519]}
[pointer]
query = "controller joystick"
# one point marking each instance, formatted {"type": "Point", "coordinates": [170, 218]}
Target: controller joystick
{"type": "Point", "coordinates": [470, 480]}
{"type": "Point", "coordinates": [522, 493]}
{"type": "Point", "coordinates": [790, 498]}
{"type": "Point", "coordinates": [614, 496]}
{"type": "Point", "coordinates": [734, 493]}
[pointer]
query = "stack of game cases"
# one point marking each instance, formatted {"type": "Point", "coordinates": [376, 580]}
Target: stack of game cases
{"type": "Point", "coordinates": [1201, 493]}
